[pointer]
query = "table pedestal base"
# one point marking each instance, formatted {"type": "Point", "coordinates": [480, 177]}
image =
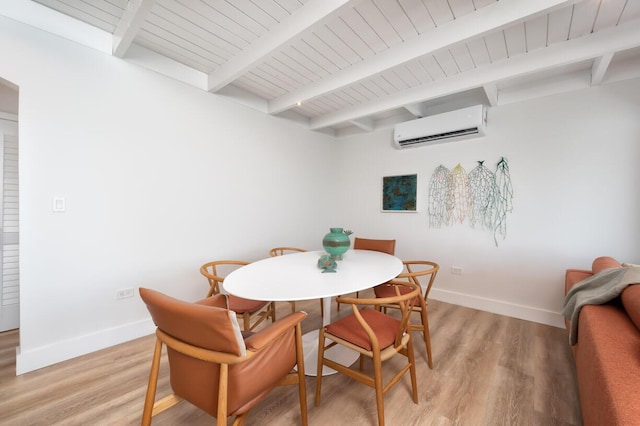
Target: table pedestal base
{"type": "Point", "coordinates": [338, 353]}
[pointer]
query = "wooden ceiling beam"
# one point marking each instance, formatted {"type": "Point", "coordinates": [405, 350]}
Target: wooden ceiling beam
{"type": "Point", "coordinates": [417, 110]}
{"type": "Point", "coordinates": [622, 37]}
{"type": "Point", "coordinates": [491, 90]}
{"type": "Point", "coordinates": [129, 25]}
{"type": "Point", "coordinates": [484, 20]}
{"type": "Point", "coordinates": [46, 19]}
{"type": "Point", "coordinates": [313, 13]}
{"type": "Point", "coordinates": [365, 123]}
{"type": "Point", "coordinates": [599, 68]}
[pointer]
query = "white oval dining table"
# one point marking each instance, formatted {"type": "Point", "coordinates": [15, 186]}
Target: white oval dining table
{"type": "Point", "coordinates": [296, 276]}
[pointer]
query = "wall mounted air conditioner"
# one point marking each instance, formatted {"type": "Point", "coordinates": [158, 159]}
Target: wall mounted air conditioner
{"type": "Point", "coordinates": [465, 123]}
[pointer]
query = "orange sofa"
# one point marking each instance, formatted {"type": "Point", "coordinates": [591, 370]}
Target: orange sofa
{"type": "Point", "coordinates": [607, 353]}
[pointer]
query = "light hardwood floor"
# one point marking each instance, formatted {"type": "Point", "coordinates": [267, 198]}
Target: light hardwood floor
{"type": "Point", "coordinates": [488, 370]}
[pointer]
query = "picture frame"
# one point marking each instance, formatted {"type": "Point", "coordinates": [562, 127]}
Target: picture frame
{"type": "Point", "coordinates": [399, 193]}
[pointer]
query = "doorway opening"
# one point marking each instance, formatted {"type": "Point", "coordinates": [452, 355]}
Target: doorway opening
{"type": "Point", "coordinates": [9, 204]}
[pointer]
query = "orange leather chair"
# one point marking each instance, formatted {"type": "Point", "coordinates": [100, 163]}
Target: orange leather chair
{"type": "Point", "coordinates": [384, 246]}
{"type": "Point", "coordinates": [415, 270]}
{"type": "Point", "coordinates": [249, 310]}
{"type": "Point", "coordinates": [215, 366]}
{"type": "Point", "coordinates": [374, 335]}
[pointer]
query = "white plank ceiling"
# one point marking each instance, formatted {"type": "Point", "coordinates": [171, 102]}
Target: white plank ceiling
{"type": "Point", "coordinates": [343, 67]}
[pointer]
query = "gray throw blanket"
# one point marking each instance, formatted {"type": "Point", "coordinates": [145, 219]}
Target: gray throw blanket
{"type": "Point", "coordinates": [598, 289]}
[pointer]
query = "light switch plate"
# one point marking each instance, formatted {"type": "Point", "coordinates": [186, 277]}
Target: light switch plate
{"type": "Point", "coordinates": [456, 270]}
{"type": "Point", "coordinates": [59, 204]}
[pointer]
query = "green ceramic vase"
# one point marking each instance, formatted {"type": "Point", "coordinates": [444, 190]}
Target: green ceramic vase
{"type": "Point", "coordinates": [336, 243]}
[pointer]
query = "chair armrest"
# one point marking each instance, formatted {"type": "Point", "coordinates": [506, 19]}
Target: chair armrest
{"type": "Point", "coordinates": [268, 334]}
{"type": "Point", "coordinates": [217, 301]}
{"type": "Point", "coordinates": [408, 263]}
{"type": "Point", "coordinates": [357, 300]}
{"type": "Point", "coordinates": [375, 300]}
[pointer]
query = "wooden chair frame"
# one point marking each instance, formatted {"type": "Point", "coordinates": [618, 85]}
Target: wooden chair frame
{"type": "Point", "coordinates": [280, 251]}
{"type": "Point", "coordinates": [214, 278]}
{"type": "Point", "coordinates": [403, 345]}
{"type": "Point", "coordinates": [426, 268]}
{"type": "Point", "coordinates": [215, 281]}
{"type": "Point", "coordinates": [153, 407]}
{"type": "Point", "coordinates": [383, 246]}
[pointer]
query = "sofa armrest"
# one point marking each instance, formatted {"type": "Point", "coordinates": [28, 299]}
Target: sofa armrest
{"type": "Point", "coordinates": [608, 366]}
{"type": "Point", "coordinates": [573, 276]}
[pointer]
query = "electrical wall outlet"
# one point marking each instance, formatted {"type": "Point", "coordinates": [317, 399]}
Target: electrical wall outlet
{"type": "Point", "coordinates": [124, 293]}
{"type": "Point", "coordinates": [456, 270]}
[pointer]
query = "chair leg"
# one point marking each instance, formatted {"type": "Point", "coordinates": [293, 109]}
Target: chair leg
{"type": "Point", "coordinates": [246, 322]}
{"type": "Point", "coordinates": [293, 306]}
{"type": "Point", "coordinates": [426, 334]}
{"type": "Point", "coordinates": [302, 386]}
{"type": "Point", "coordinates": [239, 420]}
{"type": "Point", "coordinates": [222, 396]}
{"type": "Point", "coordinates": [377, 372]}
{"type": "Point", "coordinates": [319, 370]}
{"type": "Point", "coordinates": [150, 397]}
{"type": "Point", "coordinates": [412, 370]}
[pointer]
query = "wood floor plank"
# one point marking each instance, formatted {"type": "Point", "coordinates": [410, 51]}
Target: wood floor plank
{"type": "Point", "coordinates": [488, 370]}
{"type": "Point", "coordinates": [561, 392]}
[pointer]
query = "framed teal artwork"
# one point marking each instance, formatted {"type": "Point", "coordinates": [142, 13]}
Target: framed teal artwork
{"type": "Point", "coordinates": [399, 193]}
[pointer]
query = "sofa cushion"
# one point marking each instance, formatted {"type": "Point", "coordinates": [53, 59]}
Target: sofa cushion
{"type": "Point", "coordinates": [604, 262]}
{"type": "Point", "coordinates": [631, 302]}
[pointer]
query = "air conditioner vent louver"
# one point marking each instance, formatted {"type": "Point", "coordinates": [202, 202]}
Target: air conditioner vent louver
{"type": "Point", "coordinates": [461, 124]}
{"type": "Point", "coordinates": [440, 136]}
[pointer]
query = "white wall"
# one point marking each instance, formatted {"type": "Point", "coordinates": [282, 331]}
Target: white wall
{"type": "Point", "coordinates": [574, 166]}
{"type": "Point", "coordinates": [158, 178]}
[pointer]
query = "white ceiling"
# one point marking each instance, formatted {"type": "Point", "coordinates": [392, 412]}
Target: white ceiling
{"type": "Point", "coordinates": [343, 67]}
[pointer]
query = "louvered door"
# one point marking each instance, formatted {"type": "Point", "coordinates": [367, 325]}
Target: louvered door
{"type": "Point", "coordinates": [9, 241]}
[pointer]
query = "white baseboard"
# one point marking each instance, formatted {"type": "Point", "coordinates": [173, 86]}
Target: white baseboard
{"type": "Point", "coordinates": [61, 351]}
{"type": "Point", "coordinates": [528, 313]}
{"type": "Point", "coordinates": [44, 356]}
